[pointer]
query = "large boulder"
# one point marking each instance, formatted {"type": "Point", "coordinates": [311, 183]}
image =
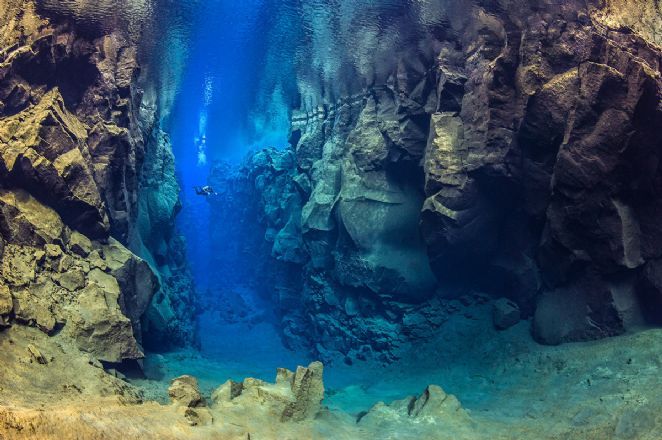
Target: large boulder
{"type": "Point", "coordinates": [434, 408]}
{"type": "Point", "coordinates": [43, 151]}
{"type": "Point", "coordinates": [184, 390]}
{"type": "Point", "coordinates": [55, 278]}
{"type": "Point", "coordinates": [296, 396]}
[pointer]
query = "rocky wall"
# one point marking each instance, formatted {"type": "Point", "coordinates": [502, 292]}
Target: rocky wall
{"type": "Point", "coordinates": [76, 146]}
{"type": "Point", "coordinates": [520, 161]}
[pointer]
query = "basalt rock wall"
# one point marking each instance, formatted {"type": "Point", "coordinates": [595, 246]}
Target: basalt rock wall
{"type": "Point", "coordinates": [76, 146]}
{"type": "Point", "coordinates": [521, 160]}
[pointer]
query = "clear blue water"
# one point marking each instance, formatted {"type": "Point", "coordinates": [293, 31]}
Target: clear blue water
{"type": "Point", "coordinates": [226, 77]}
{"type": "Point", "coordinates": [239, 69]}
{"type": "Point", "coordinates": [243, 68]}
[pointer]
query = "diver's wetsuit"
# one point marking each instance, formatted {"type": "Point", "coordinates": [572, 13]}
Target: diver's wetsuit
{"type": "Point", "coordinates": [204, 190]}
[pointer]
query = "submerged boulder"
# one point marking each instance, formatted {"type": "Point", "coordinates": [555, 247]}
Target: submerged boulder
{"type": "Point", "coordinates": [433, 410]}
{"type": "Point", "coordinates": [505, 313]}
{"type": "Point", "coordinates": [295, 396]}
{"type": "Point", "coordinates": [184, 390]}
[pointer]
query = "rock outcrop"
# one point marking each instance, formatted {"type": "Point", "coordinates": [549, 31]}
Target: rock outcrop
{"type": "Point", "coordinates": [518, 160]}
{"type": "Point", "coordinates": [318, 293]}
{"type": "Point", "coordinates": [434, 406]}
{"type": "Point", "coordinates": [76, 148]}
{"type": "Point", "coordinates": [295, 397]}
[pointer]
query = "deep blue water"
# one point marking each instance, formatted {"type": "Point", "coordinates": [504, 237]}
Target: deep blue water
{"type": "Point", "coordinates": [239, 69]}
{"type": "Point", "coordinates": [227, 75]}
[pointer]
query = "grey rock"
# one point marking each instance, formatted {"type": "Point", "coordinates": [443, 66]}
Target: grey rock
{"type": "Point", "coordinates": [505, 313]}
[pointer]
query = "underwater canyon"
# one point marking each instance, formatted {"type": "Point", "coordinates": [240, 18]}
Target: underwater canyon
{"type": "Point", "coordinates": [306, 219]}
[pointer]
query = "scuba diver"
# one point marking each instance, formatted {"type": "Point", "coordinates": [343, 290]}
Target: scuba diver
{"type": "Point", "coordinates": [204, 190]}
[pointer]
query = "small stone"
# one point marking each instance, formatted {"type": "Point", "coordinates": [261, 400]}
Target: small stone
{"type": "Point", "coordinates": [36, 354]}
{"type": "Point", "coordinates": [184, 391]}
{"type": "Point", "coordinates": [505, 314]}
{"type": "Point", "coordinates": [6, 301]}
{"type": "Point", "coordinates": [96, 261]}
{"type": "Point", "coordinates": [198, 416]}
{"type": "Point", "coordinates": [53, 250]}
{"type": "Point", "coordinates": [80, 244]}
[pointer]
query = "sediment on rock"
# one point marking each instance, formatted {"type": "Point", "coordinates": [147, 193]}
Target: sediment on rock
{"type": "Point", "coordinates": [78, 216]}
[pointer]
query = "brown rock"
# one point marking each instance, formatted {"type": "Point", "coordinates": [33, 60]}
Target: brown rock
{"type": "Point", "coordinates": [505, 313]}
{"type": "Point", "coordinates": [6, 301]}
{"type": "Point", "coordinates": [80, 244]}
{"type": "Point", "coordinates": [308, 389]}
{"type": "Point", "coordinates": [36, 354]}
{"type": "Point", "coordinates": [184, 391]}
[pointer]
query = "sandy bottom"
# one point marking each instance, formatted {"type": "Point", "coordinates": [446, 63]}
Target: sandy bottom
{"type": "Point", "coordinates": [511, 386]}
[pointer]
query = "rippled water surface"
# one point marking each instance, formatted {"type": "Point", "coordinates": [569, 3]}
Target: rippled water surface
{"type": "Point", "coordinates": [231, 72]}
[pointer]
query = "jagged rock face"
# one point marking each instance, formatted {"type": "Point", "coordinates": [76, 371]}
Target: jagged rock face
{"type": "Point", "coordinates": [324, 308]}
{"type": "Point", "coordinates": [47, 283]}
{"type": "Point", "coordinates": [545, 180]}
{"type": "Point", "coordinates": [521, 161]}
{"type": "Point", "coordinates": [169, 320]}
{"type": "Point", "coordinates": [295, 397]}
{"type": "Point", "coordinates": [255, 232]}
{"type": "Point", "coordinates": [75, 145]}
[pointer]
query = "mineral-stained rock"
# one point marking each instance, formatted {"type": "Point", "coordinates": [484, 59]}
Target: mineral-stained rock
{"type": "Point", "coordinates": [42, 151]}
{"type": "Point", "coordinates": [23, 220]}
{"type": "Point", "coordinates": [184, 391]}
{"type": "Point", "coordinates": [76, 154]}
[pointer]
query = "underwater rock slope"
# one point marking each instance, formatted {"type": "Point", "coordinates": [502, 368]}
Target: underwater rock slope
{"type": "Point", "coordinates": [521, 159]}
{"type": "Point", "coordinates": [75, 149]}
